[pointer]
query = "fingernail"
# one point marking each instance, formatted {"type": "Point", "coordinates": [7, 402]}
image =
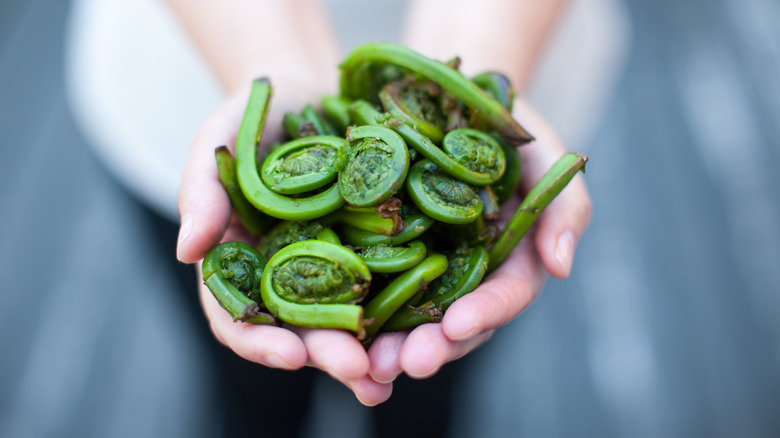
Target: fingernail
{"type": "Point", "coordinates": [274, 361]}
{"type": "Point", "coordinates": [186, 228]}
{"type": "Point", "coordinates": [563, 251]}
{"type": "Point", "coordinates": [364, 402]}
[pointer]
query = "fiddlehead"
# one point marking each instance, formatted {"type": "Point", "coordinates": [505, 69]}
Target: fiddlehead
{"type": "Point", "coordinates": [465, 269]}
{"type": "Point", "coordinates": [307, 123]}
{"type": "Point", "coordinates": [386, 259]}
{"type": "Point", "coordinates": [316, 284]}
{"type": "Point", "coordinates": [416, 104]}
{"type": "Point", "coordinates": [288, 232]}
{"type": "Point", "coordinates": [401, 289]}
{"type": "Point", "coordinates": [304, 164]}
{"type": "Point", "coordinates": [441, 196]}
{"type": "Point", "coordinates": [498, 86]}
{"type": "Point", "coordinates": [364, 113]}
{"type": "Point", "coordinates": [311, 280]}
{"type": "Point", "coordinates": [476, 151]}
{"type": "Point", "coordinates": [232, 271]}
{"type": "Point", "coordinates": [375, 168]}
{"type": "Point", "coordinates": [449, 79]}
{"type": "Point", "coordinates": [540, 196]}
{"type": "Point", "coordinates": [507, 184]}
{"type": "Point", "coordinates": [263, 198]}
{"type": "Point", "coordinates": [336, 110]}
{"type": "Point", "coordinates": [254, 221]}
{"type": "Point", "coordinates": [380, 219]}
{"type": "Point", "coordinates": [416, 224]}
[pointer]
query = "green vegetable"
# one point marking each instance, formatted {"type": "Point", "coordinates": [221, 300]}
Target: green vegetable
{"type": "Point", "coordinates": [316, 284]}
{"type": "Point", "coordinates": [263, 198]}
{"type": "Point", "coordinates": [392, 297]}
{"type": "Point", "coordinates": [303, 165]}
{"type": "Point", "coordinates": [254, 221]}
{"type": "Point", "coordinates": [540, 196]}
{"type": "Point", "coordinates": [232, 271]}
{"type": "Point", "coordinates": [465, 270]}
{"type": "Point", "coordinates": [380, 213]}
{"type": "Point", "coordinates": [388, 259]}
{"type": "Point", "coordinates": [363, 112]}
{"type": "Point", "coordinates": [441, 196]}
{"type": "Point", "coordinates": [375, 168]}
{"type": "Point", "coordinates": [449, 79]}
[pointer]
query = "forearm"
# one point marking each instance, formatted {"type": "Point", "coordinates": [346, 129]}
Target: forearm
{"type": "Point", "coordinates": [501, 35]}
{"type": "Point", "coordinates": [288, 41]}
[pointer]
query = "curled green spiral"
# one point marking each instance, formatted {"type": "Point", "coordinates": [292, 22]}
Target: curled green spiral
{"type": "Point", "coordinates": [477, 151]}
{"type": "Point", "coordinates": [303, 165]}
{"type": "Point", "coordinates": [364, 112]}
{"type": "Point", "coordinates": [264, 199]}
{"type": "Point", "coordinates": [416, 104]}
{"type": "Point", "coordinates": [316, 284]}
{"type": "Point", "coordinates": [232, 271]}
{"type": "Point", "coordinates": [441, 196]}
{"type": "Point", "coordinates": [375, 168]}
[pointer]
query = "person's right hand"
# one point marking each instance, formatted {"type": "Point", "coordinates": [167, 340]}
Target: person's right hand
{"type": "Point", "coordinates": [207, 219]}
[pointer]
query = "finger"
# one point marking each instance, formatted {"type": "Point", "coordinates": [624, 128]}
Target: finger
{"type": "Point", "coordinates": [504, 294]}
{"type": "Point", "coordinates": [383, 356]}
{"type": "Point", "coordinates": [368, 391]}
{"type": "Point", "coordinates": [427, 349]}
{"type": "Point", "coordinates": [203, 204]}
{"type": "Point", "coordinates": [336, 352]}
{"type": "Point", "coordinates": [274, 347]}
{"type": "Point", "coordinates": [562, 223]}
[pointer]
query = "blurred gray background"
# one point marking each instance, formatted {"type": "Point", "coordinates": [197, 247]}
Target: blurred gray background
{"type": "Point", "coordinates": [667, 327]}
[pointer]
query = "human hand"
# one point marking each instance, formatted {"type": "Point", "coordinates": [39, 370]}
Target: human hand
{"type": "Point", "coordinates": [470, 321]}
{"type": "Point", "coordinates": [207, 219]}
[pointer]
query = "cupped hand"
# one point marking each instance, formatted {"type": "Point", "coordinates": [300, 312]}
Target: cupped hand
{"type": "Point", "coordinates": [548, 248]}
{"type": "Point", "coordinates": [207, 219]}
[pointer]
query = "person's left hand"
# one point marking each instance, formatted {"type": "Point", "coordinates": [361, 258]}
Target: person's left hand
{"type": "Point", "coordinates": [470, 321]}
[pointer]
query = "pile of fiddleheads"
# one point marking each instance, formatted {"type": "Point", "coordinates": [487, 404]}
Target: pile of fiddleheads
{"type": "Point", "coordinates": [379, 212]}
